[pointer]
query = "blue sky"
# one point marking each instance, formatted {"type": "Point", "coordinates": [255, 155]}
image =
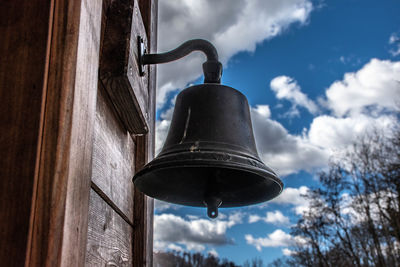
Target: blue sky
{"type": "Point", "coordinates": [317, 74]}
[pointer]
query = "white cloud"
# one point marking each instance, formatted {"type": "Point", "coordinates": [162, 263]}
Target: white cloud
{"type": "Point", "coordinates": [162, 93]}
{"type": "Point", "coordinates": [335, 134]}
{"type": "Point", "coordinates": [175, 248]}
{"type": "Point", "coordinates": [193, 233]}
{"type": "Point", "coordinates": [263, 110]}
{"type": "Point", "coordinates": [375, 86]}
{"type": "Point", "coordinates": [259, 20]}
{"type": "Point", "coordinates": [394, 40]}
{"type": "Point", "coordinates": [283, 152]}
{"type": "Point", "coordinates": [278, 238]}
{"type": "Point", "coordinates": [192, 217]}
{"type": "Point", "coordinates": [232, 26]}
{"type": "Point", "coordinates": [254, 218]}
{"type": "Point", "coordinates": [287, 88]}
{"type": "Point", "coordinates": [195, 246]}
{"type": "Point", "coordinates": [363, 101]}
{"type": "Point", "coordinates": [350, 59]}
{"type": "Point", "coordinates": [235, 218]}
{"type": "Point", "coordinates": [213, 252]}
{"type": "Point", "coordinates": [288, 252]}
{"type": "Point", "coordinates": [293, 196]}
{"type": "Point", "coordinates": [162, 127]}
{"type": "Point", "coordinates": [160, 206]}
{"type": "Point", "coordinates": [275, 217]}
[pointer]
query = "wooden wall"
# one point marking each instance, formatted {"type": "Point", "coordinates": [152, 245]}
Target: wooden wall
{"type": "Point", "coordinates": [67, 153]}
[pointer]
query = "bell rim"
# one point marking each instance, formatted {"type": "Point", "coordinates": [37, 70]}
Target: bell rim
{"type": "Point", "coordinates": [255, 170]}
{"type": "Point", "coordinates": [275, 180]}
{"type": "Point", "coordinates": [264, 174]}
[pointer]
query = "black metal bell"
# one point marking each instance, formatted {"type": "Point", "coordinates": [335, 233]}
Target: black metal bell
{"type": "Point", "coordinates": [209, 157]}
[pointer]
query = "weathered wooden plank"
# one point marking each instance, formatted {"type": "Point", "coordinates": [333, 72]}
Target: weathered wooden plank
{"type": "Point", "coordinates": [144, 206]}
{"type": "Point", "coordinates": [138, 83]}
{"type": "Point", "coordinates": [140, 211]}
{"type": "Point", "coordinates": [151, 25]}
{"type": "Point", "coordinates": [145, 7]}
{"type": "Point", "coordinates": [118, 65]}
{"type": "Point", "coordinates": [24, 27]}
{"type": "Point", "coordinates": [60, 217]}
{"type": "Point", "coordinates": [109, 240]}
{"type": "Point", "coordinates": [113, 156]}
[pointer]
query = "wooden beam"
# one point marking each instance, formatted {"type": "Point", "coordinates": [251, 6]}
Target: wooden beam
{"type": "Point", "coordinates": [140, 219]}
{"type": "Point", "coordinates": [119, 64]}
{"type": "Point", "coordinates": [24, 28]}
{"type": "Point", "coordinates": [144, 206]}
{"type": "Point", "coordinates": [59, 227]}
{"type": "Point", "coordinates": [152, 35]}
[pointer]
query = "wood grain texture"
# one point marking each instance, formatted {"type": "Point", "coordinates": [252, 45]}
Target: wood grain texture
{"type": "Point", "coordinates": [48, 122]}
{"type": "Point", "coordinates": [60, 217]}
{"type": "Point", "coordinates": [113, 157]}
{"type": "Point", "coordinates": [109, 236]}
{"type": "Point", "coordinates": [140, 209]}
{"type": "Point", "coordinates": [24, 27]}
{"type": "Point", "coordinates": [151, 26]}
{"type": "Point", "coordinates": [145, 7]}
{"type": "Point", "coordinates": [138, 83]}
{"type": "Point", "coordinates": [118, 65]}
{"type": "Point", "coordinates": [143, 205]}
{"type": "Point", "coordinates": [79, 174]}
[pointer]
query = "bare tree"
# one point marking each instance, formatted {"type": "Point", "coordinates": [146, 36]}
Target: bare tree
{"type": "Point", "coordinates": [188, 259]}
{"type": "Point", "coordinates": [354, 216]}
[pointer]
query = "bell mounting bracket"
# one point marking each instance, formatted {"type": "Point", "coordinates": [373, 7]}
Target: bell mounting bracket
{"type": "Point", "coordinates": [212, 68]}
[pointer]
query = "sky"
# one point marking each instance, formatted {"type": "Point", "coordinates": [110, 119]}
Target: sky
{"type": "Point", "coordinates": [317, 75]}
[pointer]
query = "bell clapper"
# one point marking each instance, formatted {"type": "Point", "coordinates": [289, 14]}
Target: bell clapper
{"type": "Point", "coordinates": [212, 204]}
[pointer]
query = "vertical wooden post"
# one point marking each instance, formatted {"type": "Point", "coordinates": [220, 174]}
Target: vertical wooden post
{"type": "Point", "coordinates": [60, 209]}
{"type": "Point", "coordinates": [24, 30]}
{"type": "Point", "coordinates": [144, 206]}
{"type": "Point", "coordinates": [151, 27]}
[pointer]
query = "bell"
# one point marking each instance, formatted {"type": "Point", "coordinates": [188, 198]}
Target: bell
{"type": "Point", "coordinates": [209, 158]}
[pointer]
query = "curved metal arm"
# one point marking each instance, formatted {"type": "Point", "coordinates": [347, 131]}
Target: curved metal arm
{"type": "Point", "coordinates": [212, 68]}
{"type": "Point", "coordinates": [184, 49]}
